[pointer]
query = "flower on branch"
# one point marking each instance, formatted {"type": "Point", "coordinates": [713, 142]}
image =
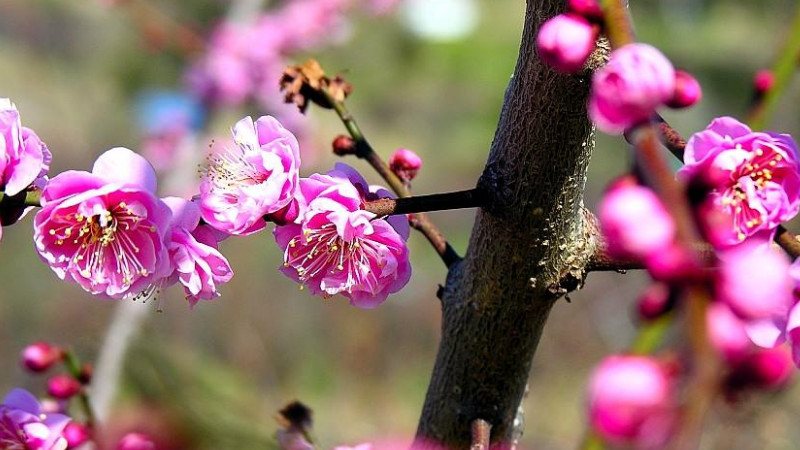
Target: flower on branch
{"type": "Point", "coordinates": [753, 177]}
{"type": "Point", "coordinates": [255, 177]}
{"type": "Point", "coordinates": [566, 41]}
{"type": "Point", "coordinates": [637, 79]}
{"type": "Point", "coordinates": [105, 230]}
{"type": "Point", "coordinates": [25, 158]}
{"type": "Point", "coordinates": [196, 262]}
{"type": "Point", "coordinates": [335, 247]}
{"type": "Point", "coordinates": [307, 82]}
{"type": "Point", "coordinates": [24, 426]}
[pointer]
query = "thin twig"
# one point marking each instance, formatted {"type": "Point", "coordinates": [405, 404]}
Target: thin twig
{"type": "Point", "coordinates": [481, 435]}
{"type": "Point", "coordinates": [423, 203]}
{"type": "Point", "coordinates": [75, 369]}
{"type": "Point", "coordinates": [365, 151]}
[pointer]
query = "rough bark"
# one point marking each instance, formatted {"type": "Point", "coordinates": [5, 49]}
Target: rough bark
{"type": "Point", "coordinates": [523, 247]}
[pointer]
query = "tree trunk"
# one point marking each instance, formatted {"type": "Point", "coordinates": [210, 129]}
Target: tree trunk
{"type": "Point", "coordinates": [527, 249]}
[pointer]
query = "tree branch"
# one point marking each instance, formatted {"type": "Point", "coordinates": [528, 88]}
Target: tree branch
{"type": "Point", "coordinates": [471, 198]}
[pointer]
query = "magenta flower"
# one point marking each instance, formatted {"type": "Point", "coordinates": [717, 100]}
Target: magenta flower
{"type": "Point", "coordinates": [627, 90]}
{"type": "Point", "coordinates": [565, 41]}
{"type": "Point", "coordinates": [404, 163]}
{"type": "Point", "coordinates": [727, 332]}
{"type": "Point", "coordinates": [755, 176]}
{"type": "Point", "coordinates": [255, 177]}
{"type": "Point", "coordinates": [24, 426]}
{"type": "Point", "coordinates": [634, 221]}
{"type": "Point", "coordinates": [337, 248]}
{"type": "Point", "coordinates": [196, 262]}
{"type": "Point", "coordinates": [105, 230]}
{"type": "Point", "coordinates": [754, 282]}
{"type": "Point", "coordinates": [24, 159]}
{"type": "Point", "coordinates": [631, 401]}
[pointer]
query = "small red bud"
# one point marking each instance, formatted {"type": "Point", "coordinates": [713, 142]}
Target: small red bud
{"type": "Point", "coordinates": [85, 376]}
{"type": "Point", "coordinates": [76, 434]}
{"type": "Point", "coordinates": [344, 145]}
{"type": "Point", "coordinates": [589, 9]}
{"type": "Point", "coordinates": [136, 441]}
{"type": "Point", "coordinates": [40, 356]}
{"type": "Point", "coordinates": [763, 81]}
{"type": "Point", "coordinates": [687, 91]}
{"type": "Point", "coordinates": [655, 301]}
{"type": "Point", "coordinates": [405, 164]}
{"type": "Point", "coordinates": [63, 386]}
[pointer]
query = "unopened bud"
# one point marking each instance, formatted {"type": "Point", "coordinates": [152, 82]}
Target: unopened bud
{"type": "Point", "coordinates": [405, 164]}
{"type": "Point", "coordinates": [85, 375]}
{"type": "Point", "coordinates": [565, 41]}
{"type": "Point", "coordinates": [63, 386]}
{"type": "Point", "coordinates": [589, 9]}
{"type": "Point", "coordinates": [136, 441]}
{"type": "Point", "coordinates": [76, 434]}
{"type": "Point", "coordinates": [763, 81]}
{"type": "Point", "coordinates": [344, 145]}
{"type": "Point", "coordinates": [687, 91]}
{"type": "Point", "coordinates": [655, 301]}
{"type": "Point", "coordinates": [40, 356]}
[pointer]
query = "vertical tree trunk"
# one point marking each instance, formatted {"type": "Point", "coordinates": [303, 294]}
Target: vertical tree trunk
{"type": "Point", "coordinates": [523, 247]}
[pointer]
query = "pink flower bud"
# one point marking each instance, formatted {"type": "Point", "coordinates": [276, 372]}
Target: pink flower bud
{"type": "Point", "coordinates": [40, 356]}
{"type": "Point", "coordinates": [727, 333]}
{"type": "Point", "coordinates": [769, 369]}
{"type": "Point", "coordinates": [763, 81]}
{"type": "Point", "coordinates": [136, 441]}
{"type": "Point", "coordinates": [673, 264]}
{"type": "Point", "coordinates": [631, 400]}
{"type": "Point", "coordinates": [565, 41]}
{"type": "Point", "coordinates": [655, 301]}
{"type": "Point", "coordinates": [634, 221]}
{"type": "Point", "coordinates": [405, 164]}
{"type": "Point", "coordinates": [76, 434]}
{"type": "Point", "coordinates": [63, 386]}
{"type": "Point", "coordinates": [754, 281]}
{"type": "Point", "coordinates": [687, 91]}
{"type": "Point", "coordinates": [344, 145]}
{"type": "Point", "coordinates": [637, 79]}
{"type": "Point", "coordinates": [586, 8]}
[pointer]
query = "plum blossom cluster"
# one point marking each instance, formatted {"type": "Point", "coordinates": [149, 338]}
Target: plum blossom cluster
{"type": "Point", "coordinates": [637, 79]}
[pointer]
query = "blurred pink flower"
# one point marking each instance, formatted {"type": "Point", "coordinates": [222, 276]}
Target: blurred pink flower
{"type": "Point", "coordinates": [687, 90]}
{"type": "Point", "coordinates": [631, 401]}
{"type": "Point", "coordinates": [754, 282]}
{"type": "Point", "coordinates": [762, 368]}
{"type": "Point", "coordinates": [405, 164]}
{"type": "Point", "coordinates": [24, 426]}
{"type": "Point", "coordinates": [565, 41]}
{"type": "Point", "coordinates": [40, 356]}
{"type": "Point", "coordinates": [587, 8]}
{"type": "Point", "coordinates": [136, 441]}
{"type": "Point", "coordinates": [337, 248]}
{"type": "Point", "coordinates": [63, 386]}
{"type": "Point", "coordinates": [24, 158]}
{"type": "Point", "coordinates": [105, 230]}
{"type": "Point", "coordinates": [637, 79]}
{"type": "Point", "coordinates": [255, 177]}
{"type": "Point", "coordinates": [76, 434]}
{"type": "Point", "coordinates": [755, 177]}
{"type": "Point", "coordinates": [727, 332]}
{"type": "Point", "coordinates": [634, 221]}
{"type": "Point", "coordinates": [196, 262]}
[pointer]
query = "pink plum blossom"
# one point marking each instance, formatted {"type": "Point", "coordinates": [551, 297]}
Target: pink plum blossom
{"type": "Point", "coordinates": [404, 163]}
{"type": "Point", "coordinates": [634, 221]}
{"type": "Point", "coordinates": [637, 79]}
{"type": "Point", "coordinates": [255, 177]}
{"type": "Point", "coordinates": [754, 282]}
{"type": "Point", "coordinates": [25, 158]}
{"type": "Point", "coordinates": [727, 332]}
{"type": "Point", "coordinates": [755, 177]}
{"type": "Point", "coordinates": [337, 248]}
{"type": "Point", "coordinates": [105, 230]}
{"type": "Point", "coordinates": [196, 262]}
{"type": "Point", "coordinates": [565, 41]}
{"type": "Point", "coordinates": [631, 401]}
{"type": "Point", "coordinates": [24, 426]}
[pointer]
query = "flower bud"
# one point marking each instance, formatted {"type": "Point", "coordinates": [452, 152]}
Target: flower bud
{"type": "Point", "coordinates": [631, 400]}
{"type": "Point", "coordinates": [589, 9]}
{"type": "Point", "coordinates": [344, 145]}
{"type": "Point", "coordinates": [136, 441]}
{"type": "Point", "coordinates": [764, 368]}
{"type": "Point", "coordinates": [40, 356]}
{"type": "Point", "coordinates": [655, 301]}
{"type": "Point", "coordinates": [754, 282]}
{"type": "Point", "coordinates": [687, 91]}
{"type": "Point", "coordinates": [565, 41]}
{"type": "Point", "coordinates": [85, 376]}
{"type": "Point", "coordinates": [63, 386]}
{"type": "Point", "coordinates": [405, 164]}
{"type": "Point", "coordinates": [76, 434]}
{"type": "Point", "coordinates": [763, 81]}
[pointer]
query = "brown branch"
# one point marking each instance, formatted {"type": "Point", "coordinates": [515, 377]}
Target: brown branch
{"type": "Point", "coordinates": [481, 434]}
{"type": "Point", "coordinates": [471, 198]}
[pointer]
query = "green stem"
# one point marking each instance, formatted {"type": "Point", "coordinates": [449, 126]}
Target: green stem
{"type": "Point", "coordinates": [651, 334]}
{"type": "Point", "coordinates": [75, 369]}
{"type": "Point", "coordinates": [618, 26]}
{"type": "Point", "coordinates": [24, 198]}
{"type": "Point", "coordinates": [783, 70]}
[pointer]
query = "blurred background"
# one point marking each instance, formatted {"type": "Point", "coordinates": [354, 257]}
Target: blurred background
{"type": "Point", "coordinates": [89, 75]}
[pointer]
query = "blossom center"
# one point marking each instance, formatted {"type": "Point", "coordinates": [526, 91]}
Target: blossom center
{"type": "Point", "coordinates": [228, 170]}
